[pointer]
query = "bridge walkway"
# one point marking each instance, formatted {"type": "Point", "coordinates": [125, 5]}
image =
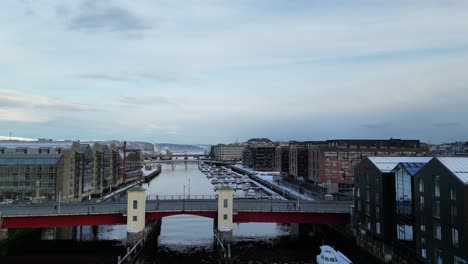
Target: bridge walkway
{"type": "Point", "coordinates": [176, 204]}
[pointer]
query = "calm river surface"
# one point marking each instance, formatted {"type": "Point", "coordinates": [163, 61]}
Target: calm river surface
{"type": "Point", "coordinates": [183, 238]}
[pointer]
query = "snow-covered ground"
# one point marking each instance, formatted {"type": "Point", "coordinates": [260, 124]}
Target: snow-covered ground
{"type": "Point", "coordinates": [269, 177]}
{"type": "Point", "coordinates": [270, 180]}
{"type": "Point", "coordinates": [148, 172]}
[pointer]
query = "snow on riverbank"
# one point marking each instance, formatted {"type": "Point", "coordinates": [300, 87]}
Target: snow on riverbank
{"type": "Point", "coordinates": [269, 177]}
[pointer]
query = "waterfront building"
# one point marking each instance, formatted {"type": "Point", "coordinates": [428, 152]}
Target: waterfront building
{"type": "Point", "coordinates": [259, 158]}
{"type": "Point", "coordinates": [116, 166]}
{"type": "Point", "coordinates": [228, 152]}
{"type": "Point", "coordinates": [383, 202]}
{"type": "Point", "coordinates": [332, 162]}
{"type": "Point", "coordinates": [133, 163]}
{"type": "Point", "coordinates": [101, 168]}
{"type": "Point", "coordinates": [85, 170]}
{"type": "Point", "coordinates": [441, 211]}
{"type": "Point", "coordinates": [282, 159]}
{"type": "Point", "coordinates": [299, 157]}
{"type": "Point", "coordinates": [33, 175]}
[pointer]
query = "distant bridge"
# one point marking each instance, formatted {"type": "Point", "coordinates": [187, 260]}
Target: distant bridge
{"type": "Point", "coordinates": [186, 161]}
{"type": "Point", "coordinates": [113, 213]}
{"type": "Point", "coordinates": [176, 155]}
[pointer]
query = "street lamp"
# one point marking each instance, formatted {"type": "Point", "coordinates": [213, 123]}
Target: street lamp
{"type": "Point", "coordinates": [183, 200]}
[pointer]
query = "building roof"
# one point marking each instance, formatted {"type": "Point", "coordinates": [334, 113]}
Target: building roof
{"type": "Point", "coordinates": [387, 164]}
{"type": "Point", "coordinates": [412, 167]}
{"type": "Point", "coordinates": [34, 159]}
{"type": "Point", "coordinates": [137, 188]}
{"type": "Point", "coordinates": [458, 166]}
{"type": "Point", "coordinates": [36, 144]}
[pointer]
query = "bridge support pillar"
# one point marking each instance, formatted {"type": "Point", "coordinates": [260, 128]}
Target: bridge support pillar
{"type": "Point", "coordinates": [225, 209]}
{"type": "Point", "coordinates": [225, 219]}
{"type": "Point", "coordinates": [136, 204]}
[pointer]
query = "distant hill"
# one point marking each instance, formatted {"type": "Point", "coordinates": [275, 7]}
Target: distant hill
{"type": "Point", "coordinates": [184, 148]}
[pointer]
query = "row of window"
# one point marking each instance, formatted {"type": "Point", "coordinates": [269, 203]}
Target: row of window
{"type": "Point", "coordinates": [11, 169]}
{"type": "Point", "coordinates": [436, 190]}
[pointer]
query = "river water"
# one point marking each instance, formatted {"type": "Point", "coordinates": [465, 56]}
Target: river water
{"type": "Point", "coordinates": [183, 238]}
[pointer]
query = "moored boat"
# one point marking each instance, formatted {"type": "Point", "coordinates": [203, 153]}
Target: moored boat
{"type": "Point", "coordinates": [329, 255]}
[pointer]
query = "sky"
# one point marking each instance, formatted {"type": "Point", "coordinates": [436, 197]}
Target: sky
{"type": "Point", "coordinates": [208, 72]}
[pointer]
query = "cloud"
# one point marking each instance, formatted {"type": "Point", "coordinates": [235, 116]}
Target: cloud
{"type": "Point", "coordinates": [103, 16]}
{"type": "Point", "coordinates": [21, 107]}
{"type": "Point", "coordinates": [14, 99]}
{"type": "Point", "coordinates": [146, 100]}
{"type": "Point", "coordinates": [105, 77]}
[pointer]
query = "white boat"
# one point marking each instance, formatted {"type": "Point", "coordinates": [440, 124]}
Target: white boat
{"type": "Point", "coordinates": [329, 255]}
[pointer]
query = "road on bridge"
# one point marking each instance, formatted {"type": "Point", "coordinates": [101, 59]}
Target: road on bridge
{"type": "Point", "coordinates": [177, 203]}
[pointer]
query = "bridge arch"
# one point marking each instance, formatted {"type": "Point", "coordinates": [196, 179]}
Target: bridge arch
{"type": "Point", "coordinates": [151, 216]}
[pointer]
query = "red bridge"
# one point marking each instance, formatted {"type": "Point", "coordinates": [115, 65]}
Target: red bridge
{"type": "Point", "coordinates": [115, 213]}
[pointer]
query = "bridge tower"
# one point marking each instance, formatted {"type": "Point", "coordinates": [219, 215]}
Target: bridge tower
{"type": "Point", "coordinates": [136, 203]}
{"type": "Point", "coordinates": [223, 233]}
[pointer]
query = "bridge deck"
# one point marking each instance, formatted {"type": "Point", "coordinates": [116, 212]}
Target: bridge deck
{"type": "Point", "coordinates": [108, 213]}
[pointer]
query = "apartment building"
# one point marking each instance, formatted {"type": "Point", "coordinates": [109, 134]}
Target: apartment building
{"type": "Point", "coordinates": [332, 162]}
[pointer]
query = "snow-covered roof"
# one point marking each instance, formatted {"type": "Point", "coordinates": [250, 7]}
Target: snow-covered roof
{"type": "Point", "coordinates": [36, 144]}
{"type": "Point", "coordinates": [35, 159]}
{"type": "Point", "coordinates": [457, 165]}
{"type": "Point", "coordinates": [387, 164]}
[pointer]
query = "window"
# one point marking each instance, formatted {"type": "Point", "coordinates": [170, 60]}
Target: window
{"type": "Point", "coordinates": [135, 204]}
{"type": "Point", "coordinates": [377, 228]}
{"type": "Point", "coordinates": [421, 185]}
{"type": "Point", "coordinates": [225, 216]}
{"type": "Point", "coordinates": [453, 194]}
{"type": "Point", "coordinates": [377, 197]}
{"type": "Point", "coordinates": [367, 196]}
{"type": "Point", "coordinates": [436, 186]}
{"type": "Point", "coordinates": [423, 228]}
{"type": "Point", "coordinates": [405, 232]}
{"type": "Point", "coordinates": [421, 203]}
{"type": "Point", "coordinates": [135, 218]}
{"type": "Point", "coordinates": [225, 203]}
{"type": "Point", "coordinates": [436, 209]}
{"type": "Point", "coordinates": [358, 193]}
{"type": "Point", "coordinates": [423, 248]}
{"type": "Point", "coordinates": [454, 237]}
{"type": "Point", "coordinates": [437, 231]}
{"type": "Point", "coordinates": [367, 209]}
{"type": "Point", "coordinates": [438, 256]}
{"type": "Point", "coordinates": [377, 212]}
{"type": "Point", "coordinates": [453, 212]}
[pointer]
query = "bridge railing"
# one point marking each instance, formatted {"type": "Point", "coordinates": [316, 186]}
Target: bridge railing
{"type": "Point", "coordinates": [63, 209]}
{"type": "Point", "coordinates": [180, 197]}
{"type": "Point", "coordinates": [292, 206]}
{"type": "Point", "coordinates": [210, 197]}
